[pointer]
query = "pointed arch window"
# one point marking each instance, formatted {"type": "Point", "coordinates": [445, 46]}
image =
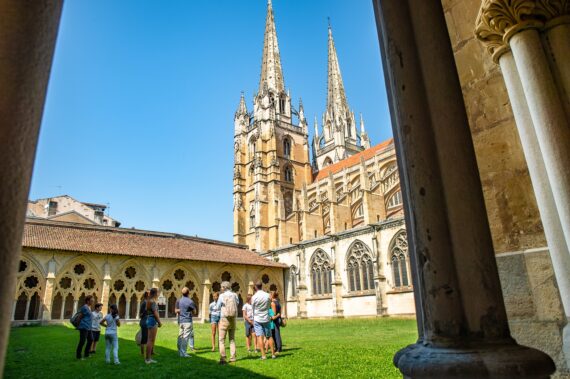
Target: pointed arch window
{"type": "Point", "coordinates": [327, 162]}
{"type": "Point", "coordinates": [321, 273]}
{"type": "Point", "coordinates": [293, 277]}
{"type": "Point", "coordinates": [287, 148]}
{"type": "Point", "coordinates": [399, 259]}
{"type": "Point", "coordinates": [252, 219]}
{"type": "Point", "coordinates": [395, 200]}
{"type": "Point", "coordinates": [288, 174]}
{"type": "Point", "coordinates": [360, 268]}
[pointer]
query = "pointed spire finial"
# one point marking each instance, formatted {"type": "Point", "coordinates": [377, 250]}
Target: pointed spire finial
{"type": "Point", "coordinates": [336, 96]}
{"type": "Point", "coordinates": [271, 72]}
{"type": "Point", "coordinates": [242, 107]}
{"type": "Point", "coordinates": [362, 130]}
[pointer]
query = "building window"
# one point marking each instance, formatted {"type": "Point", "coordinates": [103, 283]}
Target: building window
{"type": "Point", "coordinates": [252, 219]}
{"type": "Point", "coordinates": [395, 200]}
{"type": "Point", "coordinates": [282, 105]}
{"type": "Point", "coordinates": [360, 268]}
{"type": "Point", "coordinates": [52, 208]}
{"type": "Point", "coordinates": [287, 148]}
{"type": "Point", "coordinates": [288, 203]}
{"type": "Point", "coordinates": [288, 174]}
{"type": "Point", "coordinates": [399, 259]}
{"type": "Point", "coordinates": [293, 280]}
{"type": "Point", "coordinates": [99, 216]}
{"type": "Point", "coordinates": [321, 273]}
{"type": "Point", "coordinates": [252, 148]}
{"type": "Point", "coordinates": [327, 162]}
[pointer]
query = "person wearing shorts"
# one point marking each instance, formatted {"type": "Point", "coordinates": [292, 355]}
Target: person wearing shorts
{"type": "Point", "coordinates": [248, 321]}
{"type": "Point", "coordinates": [96, 317]}
{"type": "Point", "coordinates": [261, 303]}
{"type": "Point", "coordinates": [215, 314]}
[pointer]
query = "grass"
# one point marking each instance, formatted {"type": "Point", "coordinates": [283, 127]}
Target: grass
{"type": "Point", "coordinates": [312, 349]}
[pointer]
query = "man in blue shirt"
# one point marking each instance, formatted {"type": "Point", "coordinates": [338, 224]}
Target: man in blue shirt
{"type": "Point", "coordinates": [85, 328]}
{"type": "Point", "coordinates": [185, 307]}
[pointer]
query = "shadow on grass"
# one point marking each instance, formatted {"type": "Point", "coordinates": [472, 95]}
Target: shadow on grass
{"type": "Point", "coordinates": [49, 352]}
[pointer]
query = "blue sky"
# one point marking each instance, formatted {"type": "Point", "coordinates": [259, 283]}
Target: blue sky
{"type": "Point", "coordinates": [140, 105]}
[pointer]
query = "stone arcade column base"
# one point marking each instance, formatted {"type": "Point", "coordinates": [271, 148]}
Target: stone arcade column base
{"type": "Point", "coordinates": [504, 361]}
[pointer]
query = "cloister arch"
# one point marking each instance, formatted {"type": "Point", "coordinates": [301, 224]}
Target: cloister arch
{"type": "Point", "coordinates": [77, 279]}
{"type": "Point", "coordinates": [29, 290]}
{"type": "Point", "coordinates": [179, 276]}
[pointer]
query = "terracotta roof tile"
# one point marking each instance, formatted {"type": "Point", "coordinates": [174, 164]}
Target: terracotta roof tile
{"type": "Point", "coordinates": [352, 160]}
{"type": "Point", "coordinates": [51, 235]}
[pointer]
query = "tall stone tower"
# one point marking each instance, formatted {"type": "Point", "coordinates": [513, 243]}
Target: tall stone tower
{"type": "Point", "coordinates": [271, 162]}
{"type": "Point", "coordinates": [339, 139]}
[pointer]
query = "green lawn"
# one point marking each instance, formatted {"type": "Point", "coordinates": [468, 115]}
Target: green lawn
{"type": "Point", "coordinates": [312, 349]}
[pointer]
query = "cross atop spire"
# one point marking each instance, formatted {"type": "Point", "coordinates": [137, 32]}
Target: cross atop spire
{"type": "Point", "coordinates": [336, 97]}
{"type": "Point", "coordinates": [271, 72]}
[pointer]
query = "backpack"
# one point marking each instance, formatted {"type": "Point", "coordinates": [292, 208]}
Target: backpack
{"type": "Point", "coordinates": [76, 319]}
{"type": "Point", "coordinates": [230, 306]}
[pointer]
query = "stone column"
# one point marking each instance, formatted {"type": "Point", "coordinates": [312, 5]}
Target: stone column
{"type": "Point", "coordinates": [105, 288]}
{"type": "Point", "coordinates": [14, 304]}
{"type": "Point", "coordinates": [548, 212]}
{"type": "Point", "coordinates": [548, 116]}
{"type": "Point", "coordinates": [127, 309]}
{"type": "Point", "coordinates": [75, 306]}
{"type": "Point", "coordinates": [462, 318]}
{"type": "Point", "coordinates": [379, 278]}
{"type": "Point", "coordinates": [336, 285]}
{"type": "Point", "coordinates": [28, 32]}
{"type": "Point", "coordinates": [47, 298]}
{"type": "Point", "coordinates": [302, 288]}
{"type": "Point", "coordinates": [557, 40]}
{"type": "Point", "coordinates": [206, 286]}
{"type": "Point", "coordinates": [137, 317]}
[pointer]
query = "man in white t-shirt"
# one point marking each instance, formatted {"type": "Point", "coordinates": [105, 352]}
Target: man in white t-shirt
{"type": "Point", "coordinates": [260, 303]}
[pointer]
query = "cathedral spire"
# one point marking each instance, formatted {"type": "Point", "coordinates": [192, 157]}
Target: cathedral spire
{"type": "Point", "coordinates": [271, 72]}
{"type": "Point", "coordinates": [242, 107]}
{"type": "Point", "coordinates": [336, 97]}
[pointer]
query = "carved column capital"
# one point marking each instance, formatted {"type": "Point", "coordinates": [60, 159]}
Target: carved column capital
{"type": "Point", "coordinates": [499, 20]}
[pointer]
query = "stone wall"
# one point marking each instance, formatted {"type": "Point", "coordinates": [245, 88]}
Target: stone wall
{"type": "Point", "coordinates": [531, 294]}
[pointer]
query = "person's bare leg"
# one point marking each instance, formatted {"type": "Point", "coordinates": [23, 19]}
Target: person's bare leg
{"type": "Point", "coordinates": [261, 346]}
{"type": "Point", "coordinates": [214, 327]}
{"type": "Point", "coordinates": [143, 348]}
{"type": "Point", "coordinates": [272, 345]}
{"type": "Point", "coordinates": [150, 343]}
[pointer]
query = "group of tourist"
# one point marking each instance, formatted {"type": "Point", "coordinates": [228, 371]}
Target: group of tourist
{"type": "Point", "coordinates": [261, 313]}
{"type": "Point", "coordinates": [262, 319]}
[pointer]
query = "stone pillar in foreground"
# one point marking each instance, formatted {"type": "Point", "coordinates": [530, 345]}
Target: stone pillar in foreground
{"type": "Point", "coordinates": [462, 320]}
{"type": "Point", "coordinates": [105, 288]}
{"type": "Point", "coordinates": [27, 39]}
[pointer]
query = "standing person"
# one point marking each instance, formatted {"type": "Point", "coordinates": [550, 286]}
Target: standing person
{"type": "Point", "coordinates": [276, 330]}
{"type": "Point", "coordinates": [228, 304]}
{"type": "Point", "coordinates": [84, 328]}
{"type": "Point", "coordinates": [214, 318]}
{"type": "Point", "coordinates": [260, 303]}
{"type": "Point", "coordinates": [111, 322]}
{"type": "Point", "coordinates": [142, 323]}
{"type": "Point", "coordinates": [184, 308]}
{"type": "Point", "coordinates": [96, 317]}
{"type": "Point", "coordinates": [152, 323]}
{"type": "Point", "coordinates": [248, 321]}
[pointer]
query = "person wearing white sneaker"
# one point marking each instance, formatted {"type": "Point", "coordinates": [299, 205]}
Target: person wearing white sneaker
{"type": "Point", "coordinates": [111, 322]}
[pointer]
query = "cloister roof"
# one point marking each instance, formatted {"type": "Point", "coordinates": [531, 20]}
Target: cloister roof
{"type": "Point", "coordinates": [62, 236]}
